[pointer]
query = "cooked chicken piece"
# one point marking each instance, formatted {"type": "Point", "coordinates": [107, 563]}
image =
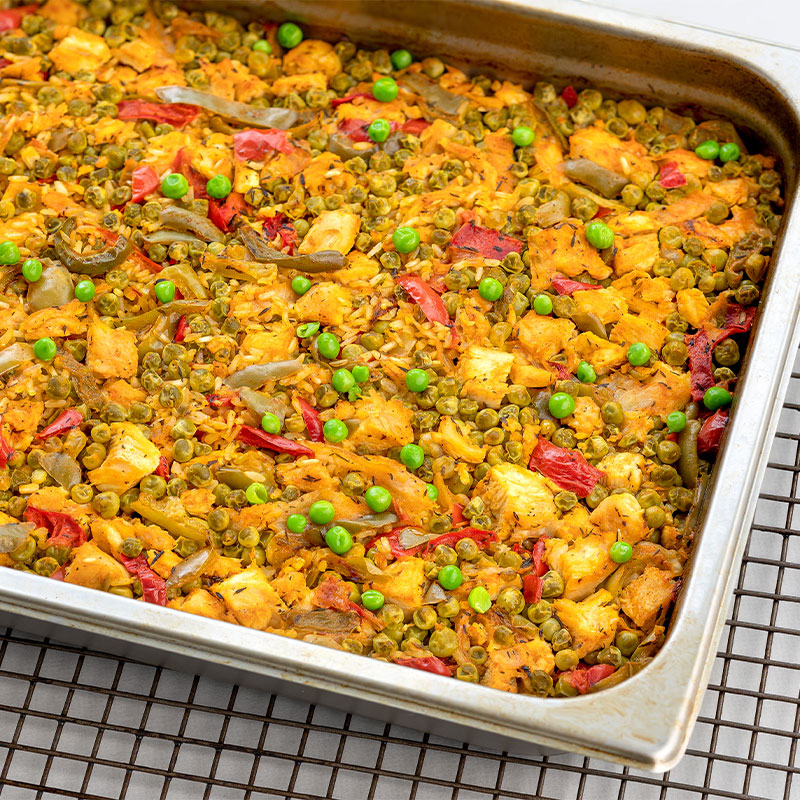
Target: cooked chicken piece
{"type": "Point", "coordinates": [623, 470]}
{"type": "Point", "coordinates": [203, 603]}
{"type": "Point", "coordinates": [484, 373]}
{"type": "Point", "coordinates": [621, 515]}
{"type": "Point", "coordinates": [326, 303]}
{"type": "Point", "coordinates": [111, 352]}
{"type": "Point", "coordinates": [543, 337]}
{"type": "Point", "coordinates": [403, 583]}
{"type": "Point", "coordinates": [693, 306]}
{"type": "Point", "coordinates": [563, 249]}
{"type": "Point", "coordinates": [504, 667]}
{"type": "Point", "coordinates": [332, 230]}
{"type": "Point", "coordinates": [312, 55]}
{"type": "Point", "coordinates": [250, 598]}
{"type": "Point", "coordinates": [607, 304]}
{"type": "Point", "coordinates": [624, 156]}
{"type": "Point", "coordinates": [79, 50]}
{"type": "Point", "coordinates": [653, 298]}
{"type": "Point", "coordinates": [636, 253]}
{"type": "Point", "coordinates": [592, 623]}
{"type": "Point", "coordinates": [95, 569]}
{"type": "Point", "coordinates": [583, 565]}
{"type": "Point", "coordinates": [601, 354]}
{"type": "Point", "coordinates": [647, 599]}
{"type": "Point", "coordinates": [130, 457]}
{"type": "Point", "coordinates": [453, 438]}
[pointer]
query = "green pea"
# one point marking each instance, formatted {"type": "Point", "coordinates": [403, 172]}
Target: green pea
{"type": "Point", "coordinates": [361, 373]}
{"type": "Point", "coordinates": [334, 430]}
{"type": "Point", "coordinates": [432, 492]}
{"type": "Point", "coordinates": [289, 35]}
{"type": "Point", "coordinates": [300, 284]}
{"type": "Point", "coordinates": [262, 46]}
{"type": "Point", "coordinates": [338, 539]}
{"type": "Point", "coordinates": [561, 404]}
{"type": "Point", "coordinates": [490, 289]}
{"type": "Point", "coordinates": [372, 599]}
{"type": "Point", "coordinates": [405, 239]}
{"type": "Point", "coordinates": [638, 354]}
{"type": "Point", "coordinates": [328, 345]}
{"type": "Point", "coordinates": [676, 421]}
{"type": "Point", "coordinates": [450, 577]}
{"type": "Point", "coordinates": [379, 130]}
{"type": "Point", "coordinates": [307, 329]}
{"type": "Point", "coordinates": [620, 552]}
{"type": "Point", "coordinates": [174, 185]}
{"type": "Point", "coordinates": [378, 499]}
{"type": "Point", "coordinates": [715, 398]}
{"type": "Point", "coordinates": [542, 305]}
{"type": "Point", "coordinates": [320, 513]}
{"type": "Point", "coordinates": [45, 349]}
{"type": "Point", "coordinates": [385, 89]}
{"type": "Point", "coordinates": [219, 187]}
{"type": "Point", "coordinates": [84, 290]}
{"type": "Point", "coordinates": [165, 291]}
{"type": "Point", "coordinates": [417, 380]}
{"type": "Point", "coordinates": [32, 270]}
{"type": "Point", "coordinates": [708, 150]}
{"type": "Point", "coordinates": [343, 380]}
{"type": "Point", "coordinates": [270, 423]}
{"type": "Point", "coordinates": [412, 455]}
{"type": "Point", "coordinates": [586, 373]}
{"type": "Point", "coordinates": [9, 253]}
{"type": "Point", "coordinates": [256, 494]}
{"type": "Point", "coordinates": [479, 600]}
{"type": "Point", "coordinates": [599, 235]}
{"type": "Point", "coordinates": [729, 152]}
{"type": "Point", "coordinates": [296, 523]}
{"type": "Point", "coordinates": [523, 136]}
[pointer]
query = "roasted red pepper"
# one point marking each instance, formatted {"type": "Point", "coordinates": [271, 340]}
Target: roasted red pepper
{"type": "Point", "coordinates": [563, 373]}
{"type": "Point", "coordinates": [279, 225]}
{"type": "Point", "coordinates": [63, 529]}
{"type": "Point", "coordinates": [414, 126]}
{"type": "Point", "coordinates": [427, 664]}
{"type": "Point", "coordinates": [222, 214]}
{"type": "Point", "coordinates": [181, 329]}
{"type": "Point", "coordinates": [220, 400]}
{"type": "Point", "coordinates": [581, 678]}
{"type": "Point", "coordinates": [312, 420]}
{"type": "Point", "coordinates": [567, 286]}
{"type": "Point", "coordinates": [11, 18]}
{"type": "Point", "coordinates": [154, 589]}
{"type": "Point", "coordinates": [568, 468]}
{"type": "Point", "coordinates": [484, 241]}
{"type": "Point", "coordinates": [458, 513]}
{"type": "Point", "coordinates": [182, 163]}
{"type": "Point", "coordinates": [256, 438]}
{"type": "Point", "coordinates": [710, 434]}
{"type": "Point", "coordinates": [254, 144]}
{"type": "Point", "coordinates": [426, 298]}
{"type": "Point", "coordinates": [179, 115]}
{"type": "Point", "coordinates": [144, 180]}
{"type": "Point", "coordinates": [532, 588]}
{"type": "Point", "coordinates": [6, 450]}
{"type": "Point", "coordinates": [701, 368]}
{"type": "Point", "coordinates": [356, 129]}
{"type": "Point", "coordinates": [58, 575]}
{"type": "Point", "coordinates": [337, 101]}
{"type": "Point", "coordinates": [739, 319]}
{"type": "Point", "coordinates": [671, 176]}
{"type": "Point", "coordinates": [162, 470]}
{"type": "Point", "coordinates": [480, 537]}
{"type": "Point", "coordinates": [537, 556]}
{"type": "Point", "coordinates": [569, 96]}
{"type": "Point", "coordinates": [332, 593]}
{"type": "Point", "coordinates": [67, 420]}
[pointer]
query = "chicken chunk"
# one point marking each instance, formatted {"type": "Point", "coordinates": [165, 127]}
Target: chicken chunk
{"type": "Point", "coordinates": [592, 623]}
{"type": "Point", "coordinates": [693, 306]}
{"type": "Point", "coordinates": [563, 249]}
{"type": "Point", "coordinates": [583, 565]}
{"type": "Point", "coordinates": [543, 337]}
{"type": "Point", "coordinates": [250, 598]}
{"type": "Point", "coordinates": [636, 253]}
{"type": "Point", "coordinates": [204, 604]}
{"type": "Point", "coordinates": [111, 352]}
{"type": "Point", "coordinates": [68, 320]}
{"type": "Point", "coordinates": [621, 515]}
{"type": "Point", "coordinates": [653, 298]}
{"type": "Point", "coordinates": [312, 55]}
{"type": "Point", "coordinates": [332, 230]}
{"type": "Point", "coordinates": [383, 423]}
{"type": "Point", "coordinates": [80, 50]}
{"type": "Point", "coordinates": [484, 372]}
{"type": "Point", "coordinates": [647, 599]}
{"type": "Point", "coordinates": [585, 420]}
{"type": "Point", "coordinates": [516, 497]}
{"type": "Point", "coordinates": [403, 583]}
{"type": "Point", "coordinates": [631, 329]}
{"type": "Point", "coordinates": [624, 156]}
{"type": "Point", "coordinates": [453, 438]}
{"type": "Point", "coordinates": [607, 304]}
{"type": "Point", "coordinates": [504, 667]}
{"type": "Point", "coordinates": [623, 470]}
{"type": "Point", "coordinates": [95, 569]}
{"type": "Point", "coordinates": [601, 354]}
{"type": "Point", "coordinates": [274, 343]}
{"type": "Point", "coordinates": [130, 457]}
{"type": "Point", "coordinates": [327, 303]}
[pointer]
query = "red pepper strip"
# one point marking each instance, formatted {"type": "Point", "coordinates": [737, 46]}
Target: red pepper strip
{"type": "Point", "coordinates": [414, 126]}
{"type": "Point", "coordinates": [256, 438]}
{"type": "Point", "coordinates": [222, 214]}
{"type": "Point", "coordinates": [162, 470]}
{"type": "Point", "coordinates": [671, 176]}
{"type": "Point", "coordinates": [181, 329]}
{"type": "Point", "coordinates": [337, 101]}
{"type": "Point", "coordinates": [570, 96]}
{"type": "Point", "coordinates": [219, 400]}
{"type": "Point", "coordinates": [4, 62]}
{"type": "Point", "coordinates": [11, 18]}
{"type": "Point", "coordinates": [356, 129]}
{"type": "Point", "coordinates": [179, 115]}
{"type": "Point", "coordinates": [711, 432]}
{"type": "Point", "coordinates": [602, 211]}
{"type": "Point", "coordinates": [427, 664]}
{"type": "Point", "coordinates": [568, 468]}
{"type": "Point", "coordinates": [484, 241]}
{"type": "Point", "coordinates": [254, 144]}
{"type": "Point", "coordinates": [457, 512]}
{"type": "Point", "coordinates": [567, 286]}
{"type": "Point", "coordinates": [700, 367]}
{"type": "Point", "coordinates": [183, 164]}
{"type": "Point", "coordinates": [144, 181]}
{"type": "Point", "coordinates": [67, 420]}
{"type": "Point", "coordinates": [739, 319]}
{"type": "Point", "coordinates": [532, 588]}
{"type": "Point", "coordinates": [6, 450]}
{"type": "Point", "coordinates": [563, 373]}
{"type": "Point", "coordinates": [582, 678]}
{"type": "Point", "coordinates": [394, 543]}
{"type": "Point", "coordinates": [426, 298]}
{"type": "Point", "coordinates": [537, 556]}
{"type": "Point", "coordinates": [58, 575]}
{"type": "Point", "coordinates": [63, 529]}
{"type": "Point", "coordinates": [312, 420]}
{"type": "Point", "coordinates": [154, 589]}
{"type": "Point", "coordinates": [279, 225]}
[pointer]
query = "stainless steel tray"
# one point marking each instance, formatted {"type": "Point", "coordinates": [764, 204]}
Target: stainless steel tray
{"type": "Point", "coordinates": [645, 721]}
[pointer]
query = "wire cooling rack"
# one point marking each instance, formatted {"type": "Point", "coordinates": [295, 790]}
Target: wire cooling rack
{"type": "Point", "coordinates": [80, 724]}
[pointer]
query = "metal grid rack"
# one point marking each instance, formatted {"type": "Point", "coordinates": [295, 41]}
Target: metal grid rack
{"type": "Point", "coordinates": [78, 724]}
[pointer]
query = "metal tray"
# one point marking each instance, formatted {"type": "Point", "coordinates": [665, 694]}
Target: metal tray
{"type": "Point", "coordinates": [646, 721]}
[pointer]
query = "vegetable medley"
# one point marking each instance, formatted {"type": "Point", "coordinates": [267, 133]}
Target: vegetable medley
{"type": "Point", "coordinates": [354, 348]}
